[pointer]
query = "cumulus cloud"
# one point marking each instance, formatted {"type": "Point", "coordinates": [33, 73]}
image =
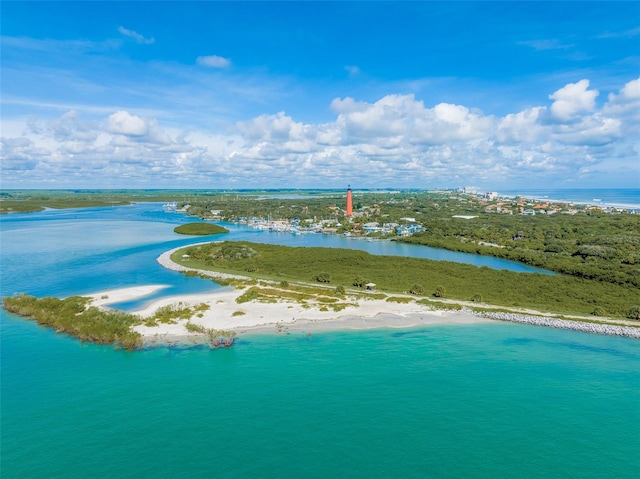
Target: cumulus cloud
{"type": "Point", "coordinates": [124, 123]}
{"type": "Point", "coordinates": [214, 61]}
{"type": "Point", "coordinates": [626, 102]}
{"type": "Point", "coordinates": [572, 99]}
{"type": "Point", "coordinates": [136, 36]}
{"type": "Point", "coordinates": [396, 140]}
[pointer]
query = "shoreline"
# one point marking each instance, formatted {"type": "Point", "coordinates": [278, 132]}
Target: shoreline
{"type": "Point", "coordinates": [254, 317]}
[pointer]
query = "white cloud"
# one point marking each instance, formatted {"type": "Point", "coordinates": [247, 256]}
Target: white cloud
{"type": "Point", "coordinates": [572, 99]}
{"type": "Point", "coordinates": [626, 103]}
{"type": "Point", "coordinates": [394, 141]}
{"type": "Point", "coordinates": [136, 36]}
{"type": "Point", "coordinates": [214, 61]}
{"type": "Point", "coordinates": [124, 123]}
{"type": "Point", "coordinates": [521, 127]}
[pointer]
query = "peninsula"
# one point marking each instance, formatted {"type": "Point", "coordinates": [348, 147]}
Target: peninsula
{"type": "Point", "coordinates": [254, 304]}
{"type": "Point", "coordinates": [272, 289]}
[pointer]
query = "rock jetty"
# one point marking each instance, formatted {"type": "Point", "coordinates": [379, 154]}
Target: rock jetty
{"type": "Point", "coordinates": [595, 328]}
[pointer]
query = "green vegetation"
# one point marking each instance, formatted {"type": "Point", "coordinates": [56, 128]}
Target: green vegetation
{"type": "Point", "coordinates": [302, 295]}
{"type": "Point", "coordinates": [399, 299]}
{"type": "Point", "coordinates": [75, 317]}
{"type": "Point", "coordinates": [200, 229]}
{"type": "Point", "coordinates": [559, 294]}
{"type": "Point", "coordinates": [323, 277]}
{"type": "Point", "coordinates": [591, 245]}
{"type": "Point", "coordinates": [572, 239]}
{"type": "Point", "coordinates": [216, 337]}
{"type": "Point", "coordinates": [20, 203]}
{"type": "Point", "coordinates": [634, 313]}
{"type": "Point", "coordinates": [26, 201]}
{"type": "Point", "coordinates": [170, 313]}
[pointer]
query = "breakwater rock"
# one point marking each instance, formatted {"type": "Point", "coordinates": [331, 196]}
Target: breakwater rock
{"type": "Point", "coordinates": [595, 328]}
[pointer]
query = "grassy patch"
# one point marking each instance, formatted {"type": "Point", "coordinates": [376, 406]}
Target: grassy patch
{"type": "Point", "coordinates": [170, 313]}
{"type": "Point", "coordinates": [399, 299]}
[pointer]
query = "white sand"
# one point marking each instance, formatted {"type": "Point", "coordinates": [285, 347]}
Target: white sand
{"type": "Point", "coordinates": [283, 316]}
{"type": "Point", "coordinates": [112, 296]}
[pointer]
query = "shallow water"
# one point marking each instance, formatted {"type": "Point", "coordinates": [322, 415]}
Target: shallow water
{"type": "Point", "coordinates": [478, 401]}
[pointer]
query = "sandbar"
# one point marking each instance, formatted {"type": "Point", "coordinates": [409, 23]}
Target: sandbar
{"type": "Point", "coordinates": [121, 295]}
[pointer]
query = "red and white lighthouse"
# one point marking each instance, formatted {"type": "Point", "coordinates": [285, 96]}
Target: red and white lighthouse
{"type": "Point", "coordinates": [349, 201]}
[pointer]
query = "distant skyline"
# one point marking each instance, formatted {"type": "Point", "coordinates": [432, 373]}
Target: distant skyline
{"type": "Point", "coordinates": [497, 95]}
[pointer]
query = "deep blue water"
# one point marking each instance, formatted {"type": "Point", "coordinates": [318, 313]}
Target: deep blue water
{"type": "Point", "coordinates": [606, 196]}
{"type": "Point", "coordinates": [481, 401]}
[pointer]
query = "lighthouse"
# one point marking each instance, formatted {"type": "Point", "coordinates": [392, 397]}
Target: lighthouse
{"type": "Point", "coordinates": [349, 201]}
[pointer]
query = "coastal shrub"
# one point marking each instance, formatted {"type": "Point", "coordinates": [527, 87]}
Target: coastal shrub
{"type": "Point", "coordinates": [284, 284]}
{"type": "Point", "coordinates": [323, 277]}
{"type": "Point", "coordinates": [476, 298]}
{"type": "Point", "coordinates": [416, 289]}
{"type": "Point", "coordinates": [398, 299]}
{"type": "Point", "coordinates": [439, 292]}
{"type": "Point", "coordinates": [449, 306]}
{"type": "Point", "coordinates": [595, 251]}
{"type": "Point", "coordinates": [250, 295]}
{"type": "Point", "coordinates": [325, 299]}
{"type": "Point", "coordinates": [194, 328]}
{"type": "Point", "coordinates": [238, 313]}
{"type": "Point", "coordinates": [339, 291]}
{"type": "Point", "coordinates": [634, 313]}
{"type": "Point", "coordinates": [598, 311]}
{"type": "Point", "coordinates": [359, 282]}
{"type": "Point", "coordinates": [233, 251]}
{"type": "Point", "coordinates": [200, 229]}
{"type": "Point", "coordinates": [167, 314]}
{"type": "Point", "coordinates": [73, 317]}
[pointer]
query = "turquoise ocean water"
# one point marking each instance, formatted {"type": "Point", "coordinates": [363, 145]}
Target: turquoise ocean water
{"type": "Point", "coordinates": [490, 400]}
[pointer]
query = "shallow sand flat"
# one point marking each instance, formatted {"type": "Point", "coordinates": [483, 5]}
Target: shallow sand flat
{"type": "Point", "coordinates": [112, 296]}
{"type": "Point", "coordinates": [382, 320]}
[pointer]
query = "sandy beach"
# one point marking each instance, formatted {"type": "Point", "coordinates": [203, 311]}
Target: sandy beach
{"type": "Point", "coordinates": [223, 312]}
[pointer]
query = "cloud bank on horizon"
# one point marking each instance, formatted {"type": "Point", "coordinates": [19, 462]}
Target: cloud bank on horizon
{"type": "Point", "coordinates": [289, 97]}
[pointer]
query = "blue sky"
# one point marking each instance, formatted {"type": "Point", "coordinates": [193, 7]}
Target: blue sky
{"type": "Point", "coordinates": [320, 94]}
